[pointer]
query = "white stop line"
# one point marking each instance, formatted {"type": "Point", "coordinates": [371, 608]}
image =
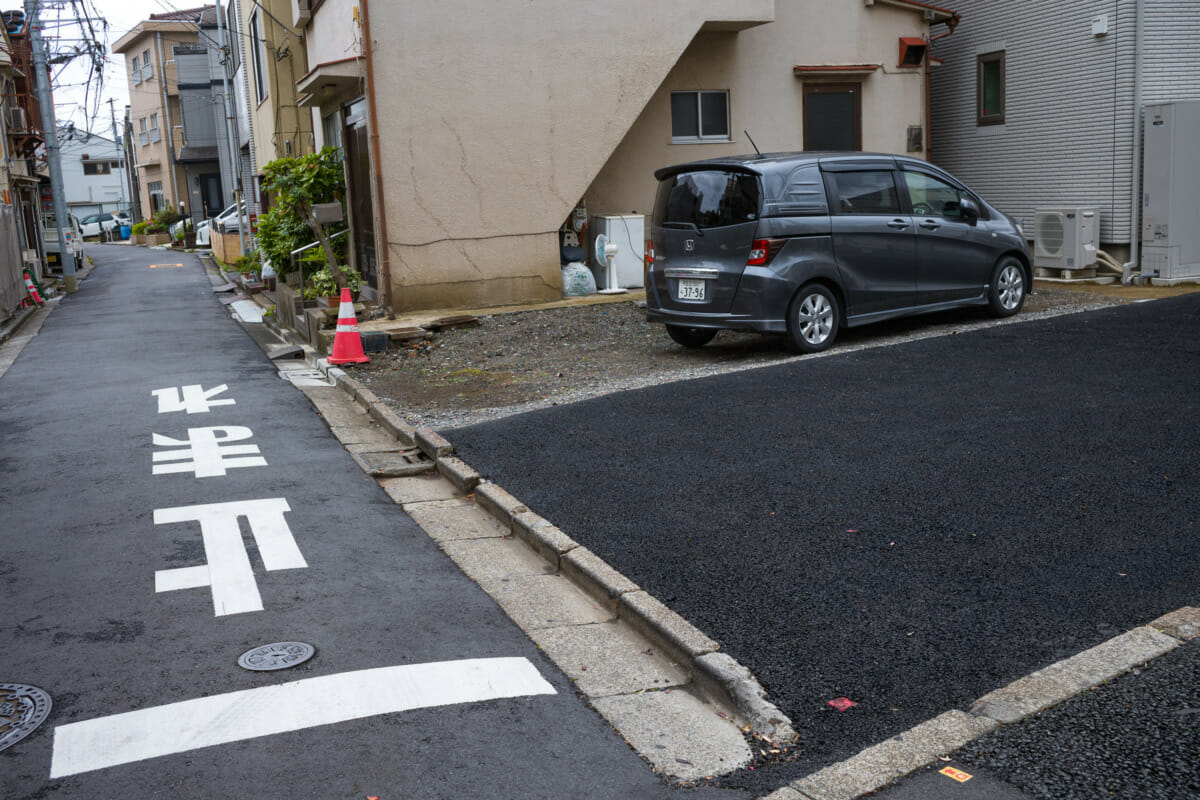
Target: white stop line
{"type": "Point", "coordinates": [308, 703]}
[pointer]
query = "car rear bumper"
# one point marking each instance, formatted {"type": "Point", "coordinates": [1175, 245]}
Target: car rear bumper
{"type": "Point", "coordinates": [759, 304]}
{"type": "Point", "coordinates": [732, 322]}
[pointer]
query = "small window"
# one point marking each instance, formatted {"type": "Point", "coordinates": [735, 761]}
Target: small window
{"type": "Point", "coordinates": [147, 69]}
{"type": "Point", "coordinates": [699, 116]}
{"type": "Point", "coordinates": [932, 197]}
{"type": "Point", "coordinates": [137, 72]}
{"type": "Point", "coordinates": [97, 168]}
{"type": "Point", "coordinates": [989, 69]}
{"type": "Point", "coordinates": [259, 56]}
{"type": "Point", "coordinates": [870, 192]}
{"type": "Point", "coordinates": [707, 199]}
{"type": "Point", "coordinates": [157, 201]}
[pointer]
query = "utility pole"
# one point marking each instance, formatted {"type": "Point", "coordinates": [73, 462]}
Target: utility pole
{"type": "Point", "coordinates": [120, 151]}
{"type": "Point", "coordinates": [41, 78]}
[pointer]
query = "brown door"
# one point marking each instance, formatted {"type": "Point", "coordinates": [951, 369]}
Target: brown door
{"type": "Point", "coordinates": [833, 116]}
{"type": "Point", "coordinates": [358, 172]}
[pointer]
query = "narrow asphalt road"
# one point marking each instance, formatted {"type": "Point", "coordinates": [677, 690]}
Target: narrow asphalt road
{"type": "Point", "coordinates": [170, 503]}
{"type": "Point", "coordinates": [907, 527]}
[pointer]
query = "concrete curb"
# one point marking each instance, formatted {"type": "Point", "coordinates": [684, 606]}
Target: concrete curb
{"type": "Point", "coordinates": [721, 678]}
{"type": "Point", "coordinates": [882, 764]}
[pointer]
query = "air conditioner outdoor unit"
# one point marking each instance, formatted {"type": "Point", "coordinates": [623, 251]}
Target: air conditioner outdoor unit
{"type": "Point", "coordinates": [17, 120]}
{"type": "Point", "coordinates": [1065, 237]}
{"type": "Point", "coordinates": [301, 11]}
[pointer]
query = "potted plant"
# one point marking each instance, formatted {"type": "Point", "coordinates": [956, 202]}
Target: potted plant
{"type": "Point", "coordinates": [325, 288]}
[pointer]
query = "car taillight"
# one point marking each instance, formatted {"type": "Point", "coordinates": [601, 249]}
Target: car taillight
{"type": "Point", "coordinates": [649, 260]}
{"type": "Point", "coordinates": [763, 250]}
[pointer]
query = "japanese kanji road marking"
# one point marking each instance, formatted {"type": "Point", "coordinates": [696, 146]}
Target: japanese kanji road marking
{"type": "Point", "coordinates": [269, 710]}
{"type": "Point", "coordinates": [206, 453]}
{"type": "Point", "coordinates": [228, 571]}
{"type": "Point", "coordinates": [192, 399]}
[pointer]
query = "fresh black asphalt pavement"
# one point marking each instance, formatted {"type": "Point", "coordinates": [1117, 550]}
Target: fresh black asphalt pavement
{"type": "Point", "coordinates": [1135, 737]}
{"type": "Point", "coordinates": [110, 592]}
{"type": "Point", "coordinates": [908, 527]}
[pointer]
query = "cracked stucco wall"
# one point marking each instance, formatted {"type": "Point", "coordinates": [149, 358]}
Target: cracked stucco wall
{"type": "Point", "coordinates": [495, 118]}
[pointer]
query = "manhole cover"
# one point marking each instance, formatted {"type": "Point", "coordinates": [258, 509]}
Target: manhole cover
{"type": "Point", "coordinates": [22, 709]}
{"type": "Point", "coordinates": [279, 655]}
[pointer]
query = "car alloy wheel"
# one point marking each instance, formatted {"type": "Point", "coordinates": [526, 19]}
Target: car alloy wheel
{"type": "Point", "coordinates": [1007, 293]}
{"type": "Point", "coordinates": [813, 320]}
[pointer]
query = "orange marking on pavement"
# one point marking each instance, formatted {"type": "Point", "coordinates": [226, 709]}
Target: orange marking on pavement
{"type": "Point", "coordinates": [165, 266]}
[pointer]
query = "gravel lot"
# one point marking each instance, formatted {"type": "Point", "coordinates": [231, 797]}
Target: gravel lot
{"type": "Point", "coordinates": [510, 363]}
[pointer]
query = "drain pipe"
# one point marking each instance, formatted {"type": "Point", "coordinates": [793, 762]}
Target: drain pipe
{"type": "Point", "coordinates": [1135, 192]}
{"type": "Point", "coordinates": [381, 234]}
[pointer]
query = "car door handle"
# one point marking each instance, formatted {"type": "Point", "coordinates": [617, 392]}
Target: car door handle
{"type": "Point", "coordinates": [931, 225]}
{"type": "Point", "coordinates": [898, 224]}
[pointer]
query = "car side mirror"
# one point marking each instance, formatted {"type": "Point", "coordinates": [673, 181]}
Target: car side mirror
{"type": "Point", "coordinates": [969, 209]}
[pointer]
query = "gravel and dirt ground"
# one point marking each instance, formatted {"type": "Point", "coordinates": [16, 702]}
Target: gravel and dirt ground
{"type": "Point", "coordinates": [514, 362]}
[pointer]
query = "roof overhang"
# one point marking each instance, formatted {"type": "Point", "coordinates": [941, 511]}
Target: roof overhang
{"type": "Point", "coordinates": [933, 14]}
{"type": "Point", "coordinates": [331, 82]}
{"type": "Point", "coordinates": [834, 70]}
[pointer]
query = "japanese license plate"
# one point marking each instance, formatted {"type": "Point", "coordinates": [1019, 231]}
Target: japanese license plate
{"type": "Point", "coordinates": [690, 289]}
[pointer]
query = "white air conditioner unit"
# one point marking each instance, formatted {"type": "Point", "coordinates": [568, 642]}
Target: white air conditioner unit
{"type": "Point", "coordinates": [17, 120]}
{"type": "Point", "coordinates": [1065, 237]}
{"type": "Point", "coordinates": [301, 12]}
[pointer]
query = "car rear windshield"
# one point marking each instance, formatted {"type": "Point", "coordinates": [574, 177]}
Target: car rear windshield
{"type": "Point", "coordinates": [707, 199]}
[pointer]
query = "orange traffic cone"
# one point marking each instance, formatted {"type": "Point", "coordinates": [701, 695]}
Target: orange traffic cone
{"type": "Point", "coordinates": [347, 344]}
{"type": "Point", "coordinates": [31, 290]}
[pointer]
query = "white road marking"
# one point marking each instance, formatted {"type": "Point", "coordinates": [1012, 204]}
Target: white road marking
{"type": "Point", "coordinates": [206, 453]}
{"type": "Point", "coordinates": [270, 710]}
{"type": "Point", "coordinates": [193, 399]}
{"type": "Point", "coordinates": [228, 572]}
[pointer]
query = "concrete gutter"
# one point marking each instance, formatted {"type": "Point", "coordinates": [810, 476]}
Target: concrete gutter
{"type": "Point", "coordinates": [716, 674]}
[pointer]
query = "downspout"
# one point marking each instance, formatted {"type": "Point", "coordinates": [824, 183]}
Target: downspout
{"type": "Point", "coordinates": [951, 24]}
{"type": "Point", "coordinates": [1135, 191]}
{"type": "Point", "coordinates": [162, 79]}
{"type": "Point", "coordinates": [381, 235]}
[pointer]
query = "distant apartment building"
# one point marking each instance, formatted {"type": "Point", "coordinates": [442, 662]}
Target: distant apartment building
{"type": "Point", "coordinates": [154, 109]}
{"type": "Point", "coordinates": [94, 177]}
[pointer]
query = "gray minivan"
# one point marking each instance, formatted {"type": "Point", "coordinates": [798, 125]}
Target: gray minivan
{"type": "Point", "coordinates": [803, 244]}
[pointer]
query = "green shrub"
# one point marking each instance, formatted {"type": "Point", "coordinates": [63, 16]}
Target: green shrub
{"type": "Point", "coordinates": [322, 283]}
{"type": "Point", "coordinates": [139, 228]}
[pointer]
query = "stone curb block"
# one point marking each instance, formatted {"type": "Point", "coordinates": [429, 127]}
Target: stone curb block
{"type": "Point", "coordinates": [877, 766]}
{"type": "Point", "coordinates": [365, 397]}
{"type": "Point", "coordinates": [682, 640]}
{"type": "Point", "coordinates": [1065, 679]}
{"type": "Point", "coordinates": [546, 539]}
{"type": "Point", "coordinates": [432, 443]}
{"type": "Point", "coordinates": [1183, 624]}
{"type": "Point", "coordinates": [459, 473]}
{"type": "Point", "coordinates": [722, 675]}
{"type": "Point", "coordinates": [405, 434]}
{"type": "Point", "coordinates": [786, 793]}
{"type": "Point", "coordinates": [592, 574]}
{"type": "Point", "coordinates": [499, 503]}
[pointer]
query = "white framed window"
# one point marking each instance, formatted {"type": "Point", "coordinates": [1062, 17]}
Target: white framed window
{"type": "Point", "coordinates": [137, 72]}
{"type": "Point", "coordinates": [147, 68]}
{"type": "Point", "coordinates": [154, 136]}
{"type": "Point", "coordinates": [258, 53]}
{"type": "Point", "coordinates": [699, 116]}
{"type": "Point", "coordinates": [143, 133]}
{"type": "Point", "coordinates": [157, 201]}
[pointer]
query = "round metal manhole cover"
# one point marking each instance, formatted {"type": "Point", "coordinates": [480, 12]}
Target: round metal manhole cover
{"type": "Point", "coordinates": [279, 655]}
{"type": "Point", "coordinates": [22, 709]}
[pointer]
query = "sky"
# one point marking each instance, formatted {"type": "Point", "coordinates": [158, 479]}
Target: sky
{"type": "Point", "coordinates": [70, 95]}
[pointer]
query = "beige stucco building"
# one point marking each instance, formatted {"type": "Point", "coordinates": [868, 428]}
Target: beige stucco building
{"type": "Point", "coordinates": [154, 110]}
{"type": "Point", "coordinates": [275, 58]}
{"type": "Point", "coordinates": [496, 120]}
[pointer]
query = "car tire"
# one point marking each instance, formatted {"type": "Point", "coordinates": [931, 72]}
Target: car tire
{"type": "Point", "coordinates": [691, 337]}
{"type": "Point", "coordinates": [1006, 293]}
{"type": "Point", "coordinates": [812, 322]}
